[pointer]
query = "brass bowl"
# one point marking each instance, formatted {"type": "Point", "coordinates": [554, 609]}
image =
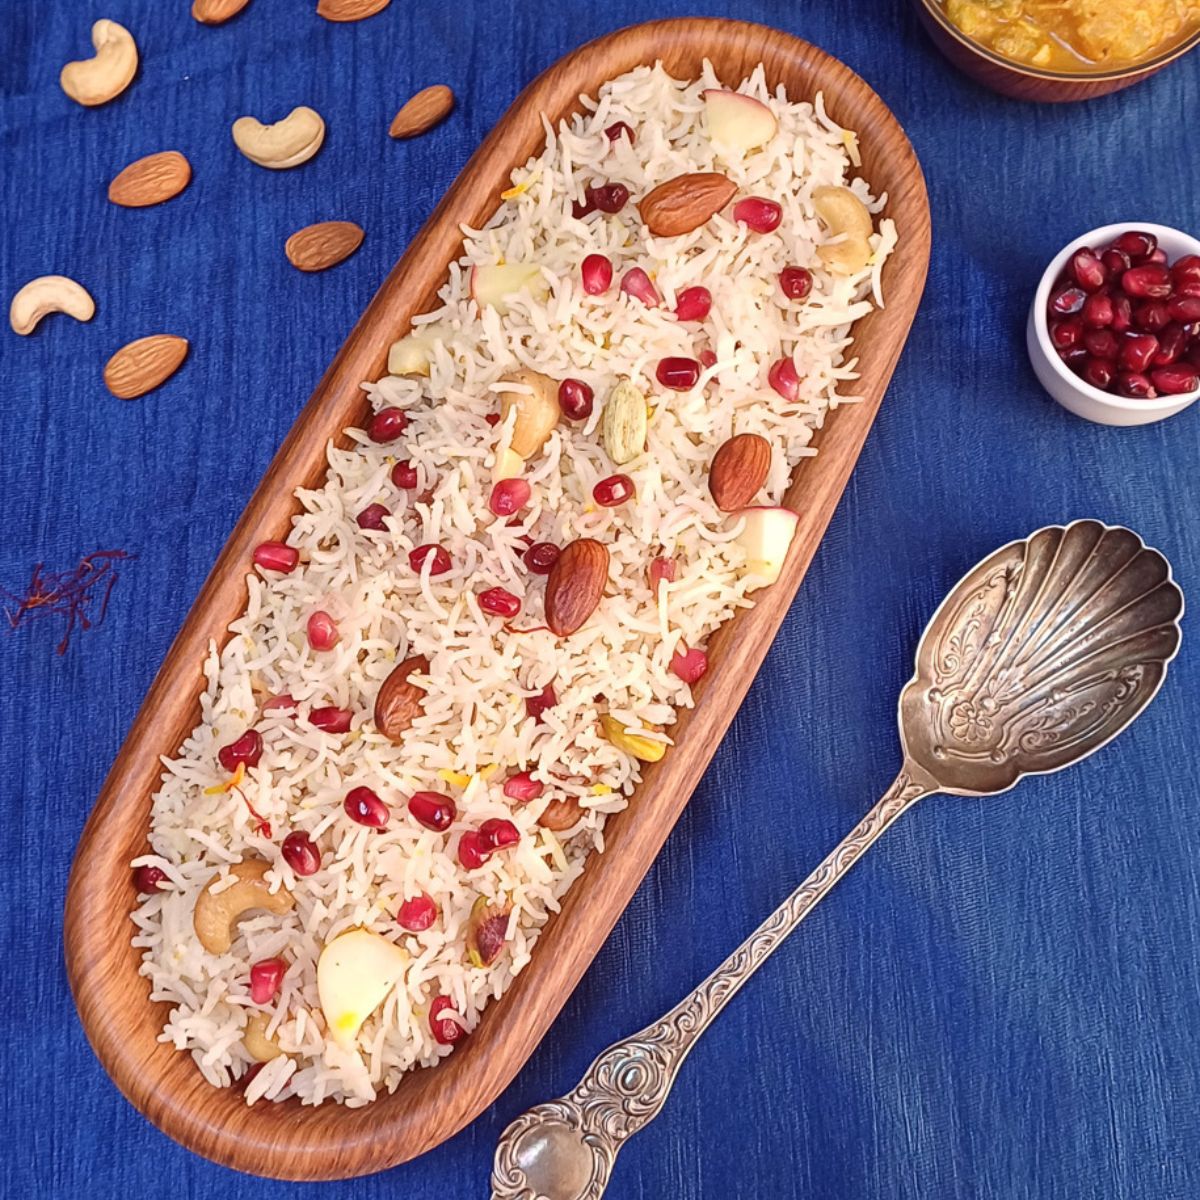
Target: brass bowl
{"type": "Point", "coordinates": [1032, 83]}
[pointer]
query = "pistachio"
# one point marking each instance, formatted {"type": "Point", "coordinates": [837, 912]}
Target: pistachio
{"type": "Point", "coordinates": [624, 428]}
{"type": "Point", "coordinates": [643, 748]}
{"type": "Point", "coordinates": [486, 930]}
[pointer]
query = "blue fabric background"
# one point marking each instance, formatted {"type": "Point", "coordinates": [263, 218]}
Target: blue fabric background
{"type": "Point", "coordinates": [1003, 1001]}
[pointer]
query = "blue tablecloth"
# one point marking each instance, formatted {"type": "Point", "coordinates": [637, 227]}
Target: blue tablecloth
{"type": "Point", "coordinates": [1003, 1000]}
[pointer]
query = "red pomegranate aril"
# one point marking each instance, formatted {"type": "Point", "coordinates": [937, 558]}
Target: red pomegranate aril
{"type": "Point", "coordinates": [404, 475]}
{"type": "Point", "coordinates": [301, 853]}
{"type": "Point", "coordinates": [372, 517]}
{"type": "Point", "coordinates": [438, 556]}
{"type": "Point", "coordinates": [1066, 333]}
{"type": "Point", "coordinates": [1102, 343]}
{"type": "Point", "coordinates": [331, 719]}
{"type": "Point", "coordinates": [1097, 311]}
{"type": "Point", "coordinates": [433, 810]}
{"type": "Point", "coordinates": [364, 807]}
{"type": "Point", "coordinates": [597, 274]}
{"type": "Point", "coordinates": [707, 359]}
{"type": "Point", "coordinates": [689, 665]}
{"type": "Point", "coordinates": [1149, 282]}
{"type": "Point", "coordinates": [1172, 342]}
{"type": "Point", "coordinates": [693, 304]}
{"type": "Point", "coordinates": [541, 557]}
{"type": "Point", "coordinates": [1134, 385]}
{"type": "Point", "coordinates": [446, 1031]}
{"type": "Point", "coordinates": [617, 129]}
{"type": "Point", "coordinates": [759, 213]}
{"type": "Point", "coordinates": [1087, 270]}
{"type": "Point", "coordinates": [508, 496]}
{"type": "Point", "coordinates": [662, 568]}
{"type": "Point", "coordinates": [795, 282]}
{"type": "Point", "coordinates": [275, 556]}
{"type": "Point", "coordinates": [1116, 262]}
{"type": "Point", "coordinates": [614, 490]}
{"type": "Point", "coordinates": [266, 975]}
{"type": "Point", "coordinates": [1098, 372]}
{"type": "Point", "coordinates": [1138, 351]}
{"type": "Point", "coordinates": [149, 879]}
{"type": "Point", "coordinates": [581, 208]}
{"type": "Point", "coordinates": [784, 378]}
{"type": "Point", "coordinates": [499, 603]}
{"type": "Point", "coordinates": [535, 706]}
{"type": "Point", "coordinates": [1175, 380]}
{"type": "Point", "coordinates": [1067, 301]}
{"type": "Point", "coordinates": [1193, 354]}
{"type": "Point", "coordinates": [386, 425]}
{"type": "Point", "coordinates": [607, 197]}
{"type": "Point", "coordinates": [246, 750]}
{"type": "Point", "coordinates": [1136, 244]}
{"type": "Point", "coordinates": [1184, 308]}
{"type": "Point", "coordinates": [1158, 255]}
{"type": "Point", "coordinates": [498, 833]}
{"type": "Point", "coordinates": [1186, 269]}
{"type": "Point", "coordinates": [1151, 316]}
{"type": "Point", "coordinates": [322, 632]}
{"type": "Point", "coordinates": [1122, 312]}
{"type": "Point", "coordinates": [493, 419]}
{"type": "Point", "coordinates": [1188, 287]}
{"type": "Point", "coordinates": [575, 399]}
{"type": "Point", "coordinates": [635, 282]}
{"type": "Point", "coordinates": [677, 373]}
{"type": "Point", "coordinates": [417, 913]}
{"type": "Point", "coordinates": [473, 849]}
{"type": "Point", "coordinates": [1074, 357]}
{"type": "Point", "coordinates": [522, 787]}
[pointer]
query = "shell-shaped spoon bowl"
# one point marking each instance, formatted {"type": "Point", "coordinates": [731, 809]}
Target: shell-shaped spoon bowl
{"type": "Point", "coordinates": [1040, 655]}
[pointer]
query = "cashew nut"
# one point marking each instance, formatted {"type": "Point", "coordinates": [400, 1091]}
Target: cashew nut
{"type": "Point", "coordinates": [537, 410]}
{"type": "Point", "coordinates": [287, 143]}
{"type": "Point", "coordinates": [98, 80]}
{"type": "Point", "coordinates": [216, 914]}
{"type": "Point", "coordinates": [258, 1045]}
{"type": "Point", "coordinates": [47, 294]}
{"type": "Point", "coordinates": [844, 213]}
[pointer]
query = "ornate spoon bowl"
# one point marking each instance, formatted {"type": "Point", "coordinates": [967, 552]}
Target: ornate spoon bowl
{"type": "Point", "coordinates": [1040, 655]}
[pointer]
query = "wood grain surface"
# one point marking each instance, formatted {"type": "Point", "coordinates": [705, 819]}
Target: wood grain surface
{"type": "Point", "coordinates": [287, 1140]}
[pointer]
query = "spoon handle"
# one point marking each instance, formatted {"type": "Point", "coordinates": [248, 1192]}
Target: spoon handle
{"type": "Point", "coordinates": [627, 1085]}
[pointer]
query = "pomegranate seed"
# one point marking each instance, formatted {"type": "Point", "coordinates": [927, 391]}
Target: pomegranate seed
{"type": "Point", "coordinates": [1186, 270]}
{"type": "Point", "coordinates": [614, 490]}
{"type": "Point", "coordinates": [575, 399]}
{"type": "Point", "coordinates": [541, 557]}
{"type": "Point", "coordinates": [689, 665]}
{"type": "Point", "coordinates": [149, 879]}
{"type": "Point", "coordinates": [1101, 343]}
{"type": "Point", "coordinates": [433, 810]}
{"type": "Point", "coordinates": [404, 475]}
{"type": "Point", "coordinates": [417, 913]}
{"type": "Point", "coordinates": [535, 706]}
{"type": "Point", "coordinates": [1116, 261]}
{"type": "Point", "coordinates": [1122, 312]}
{"type": "Point", "coordinates": [1097, 311]}
{"type": "Point", "coordinates": [364, 807]}
{"type": "Point", "coordinates": [1087, 270]}
{"type": "Point", "coordinates": [1149, 282]}
{"type": "Point", "coordinates": [492, 419]}
{"type": "Point", "coordinates": [760, 214]}
{"type": "Point", "coordinates": [473, 849]}
{"type": "Point", "coordinates": [784, 378]}
{"type": "Point", "coordinates": [707, 359]}
{"type": "Point", "coordinates": [331, 719]}
{"type": "Point", "coordinates": [446, 1031]}
{"type": "Point", "coordinates": [386, 425]}
{"type": "Point", "coordinates": [618, 129]}
{"type": "Point", "coordinates": [1175, 381]}
{"type": "Point", "coordinates": [635, 282]}
{"type": "Point", "coordinates": [693, 304]}
{"type": "Point", "coordinates": [522, 787]}
{"type": "Point", "coordinates": [499, 833]}
{"type": "Point", "coordinates": [795, 282]}
{"type": "Point", "coordinates": [499, 603]}
{"type": "Point", "coordinates": [1158, 255]}
{"type": "Point", "coordinates": [678, 374]}
{"type": "Point", "coordinates": [301, 853]}
{"type": "Point", "coordinates": [372, 517]}
{"type": "Point", "coordinates": [265, 977]}
{"type": "Point", "coordinates": [247, 749]}
{"type": "Point", "coordinates": [661, 568]}
{"type": "Point", "coordinates": [581, 208]}
{"type": "Point", "coordinates": [438, 556]}
{"type": "Point", "coordinates": [508, 496]}
{"type": "Point", "coordinates": [1184, 308]}
{"type": "Point", "coordinates": [275, 556]}
{"type": "Point", "coordinates": [1171, 344]}
{"type": "Point", "coordinates": [1188, 287]}
{"type": "Point", "coordinates": [1066, 333]}
{"type": "Point", "coordinates": [1137, 245]}
{"type": "Point", "coordinates": [1135, 386]}
{"type": "Point", "coordinates": [1075, 357]}
{"type": "Point", "coordinates": [596, 273]}
{"type": "Point", "coordinates": [322, 632]}
{"type": "Point", "coordinates": [1066, 302]}
{"type": "Point", "coordinates": [608, 197]}
{"type": "Point", "coordinates": [1098, 372]}
{"type": "Point", "coordinates": [1138, 351]}
{"type": "Point", "coordinates": [1193, 354]}
{"type": "Point", "coordinates": [1152, 316]}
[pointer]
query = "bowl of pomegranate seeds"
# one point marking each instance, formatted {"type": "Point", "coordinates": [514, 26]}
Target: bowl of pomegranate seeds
{"type": "Point", "coordinates": [1114, 330]}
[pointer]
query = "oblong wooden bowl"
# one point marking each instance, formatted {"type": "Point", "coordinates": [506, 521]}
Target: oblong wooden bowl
{"type": "Point", "coordinates": [1029, 83]}
{"type": "Point", "coordinates": [287, 1140]}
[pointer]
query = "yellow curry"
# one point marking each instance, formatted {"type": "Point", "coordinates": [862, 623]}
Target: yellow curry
{"type": "Point", "coordinates": [1075, 35]}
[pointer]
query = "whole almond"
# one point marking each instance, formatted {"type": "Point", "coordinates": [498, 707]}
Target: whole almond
{"type": "Point", "coordinates": [143, 365]}
{"type": "Point", "coordinates": [738, 470]}
{"type": "Point", "coordinates": [575, 585]}
{"type": "Point", "coordinates": [317, 247]}
{"type": "Point", "coordinates": [151, 180]}
{"type": "Point", "coordinates": [399, 699]}
{"type": "Point", "coordinates": [350, 10]}
{"type": "Point", "coordinates": [422, 112]}
{"type": "Point", "coordinates": [685, 202]}
{"type": "Point", "coordinates": [217, 12]}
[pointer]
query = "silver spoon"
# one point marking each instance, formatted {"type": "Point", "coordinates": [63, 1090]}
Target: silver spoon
{"type": "Point", "coordinates": [1040, 655]}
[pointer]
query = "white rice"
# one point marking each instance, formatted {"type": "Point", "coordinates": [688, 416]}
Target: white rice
{"type": "Point", "coordinates": [473, 717]}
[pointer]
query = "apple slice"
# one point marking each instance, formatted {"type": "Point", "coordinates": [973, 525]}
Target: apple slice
{"type": "Point", "coordinates": [738, 121]}
{"type": "Point", "coordinates": [355, 973]}
{"type": "Point", "coordinates": [410, 356]}
{"type": "Point", "coordinates": [766, 538]}
{"type": "Point", "coordinates": [494, 283]}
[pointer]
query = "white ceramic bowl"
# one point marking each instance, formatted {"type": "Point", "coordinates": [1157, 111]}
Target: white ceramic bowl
{"type": "Point", "coordinates": [1056, 377]}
